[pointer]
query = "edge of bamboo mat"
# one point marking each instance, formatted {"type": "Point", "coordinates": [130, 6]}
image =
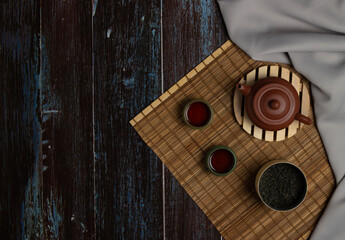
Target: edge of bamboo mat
{"type": "Point", "coordinates": [180, 83]}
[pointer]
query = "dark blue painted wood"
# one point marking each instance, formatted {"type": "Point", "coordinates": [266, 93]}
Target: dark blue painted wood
{"type": "Point", "coordinates": [192, 30]}
{"type": "Point", "coordinates": [71, 165]}
{"type": "Point", "coordinates": [127, 79]}
{"type": "Point", "coordinates": [20, 186]}
{"type": "Point", "coordinates": [67, 121]}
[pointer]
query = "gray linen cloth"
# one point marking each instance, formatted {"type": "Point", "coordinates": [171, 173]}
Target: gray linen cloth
{"type": "Point", "coordinates": [309, 34]}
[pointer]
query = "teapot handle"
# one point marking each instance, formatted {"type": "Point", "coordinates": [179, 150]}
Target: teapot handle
{"type": "Point", "coordinates": [303, 119]}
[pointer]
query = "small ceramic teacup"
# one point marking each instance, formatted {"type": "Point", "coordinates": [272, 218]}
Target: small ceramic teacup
{"type": "Point", "coordinates": [281, 186]}
{"type": "Point", "coordinates": [221, 160]}
{"type": "Point", "coordinates": [198, 114]}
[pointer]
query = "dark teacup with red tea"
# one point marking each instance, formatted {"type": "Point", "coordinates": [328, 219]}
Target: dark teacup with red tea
{"type": "Point", "coordinates": [221, 160]}
{"type": "Point", "coordinates": [198, 114]}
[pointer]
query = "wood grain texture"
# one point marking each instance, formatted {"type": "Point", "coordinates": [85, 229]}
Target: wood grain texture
{"type": "Point", "coordinates": [20, 185]}
{"type": "Point", "coordinates": [67, 136]}
{"type": "Point", "coordinates": [192, 30]}
{"type": "Point", "coordinates": [127, 78]}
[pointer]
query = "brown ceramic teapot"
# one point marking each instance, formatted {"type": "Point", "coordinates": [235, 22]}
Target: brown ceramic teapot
{"type": "Point", "coordinates": [272, 103]}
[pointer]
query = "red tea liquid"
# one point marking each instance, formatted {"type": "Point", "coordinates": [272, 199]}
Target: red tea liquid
{"type": "Point", "coordinates": [222, 161]}
{"type": "Point", "coordinates": [198, 114]}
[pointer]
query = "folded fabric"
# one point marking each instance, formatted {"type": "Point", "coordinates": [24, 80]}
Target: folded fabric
{"type": "Point", "coordinates": [309, 34]}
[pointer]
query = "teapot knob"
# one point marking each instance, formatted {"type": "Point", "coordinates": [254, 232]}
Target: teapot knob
{"type": "Point", "coordinates": [274, 104]}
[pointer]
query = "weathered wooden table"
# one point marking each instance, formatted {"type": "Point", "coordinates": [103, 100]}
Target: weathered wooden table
{"type": "Point", "coordinates": [73, 73]}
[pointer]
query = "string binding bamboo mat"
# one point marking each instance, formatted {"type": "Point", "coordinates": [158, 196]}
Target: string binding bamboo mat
{"type": "Point", "coordinates": [231, 202]}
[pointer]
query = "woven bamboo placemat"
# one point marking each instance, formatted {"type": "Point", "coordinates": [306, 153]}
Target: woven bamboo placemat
{"type": "Point", "coordinates": [231, 202]}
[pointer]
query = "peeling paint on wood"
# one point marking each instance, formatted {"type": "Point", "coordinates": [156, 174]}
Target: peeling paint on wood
{"type": "Point", "coordinates": [20, 187]}
{"type": "Point", "coordinates": [68, 177]}
{"type": "Point", "coordinates": [127, 79]}
{"type": "Point", "coordinates": [73, 73]}
{"type": "Point", "coordinates": [191, 31]}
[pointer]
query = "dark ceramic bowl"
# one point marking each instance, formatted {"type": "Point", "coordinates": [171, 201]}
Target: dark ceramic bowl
{"type": "Point", "coordinates": [281, 185]}
{"type": "Point", "coordinates": [221, 160]}
{"type": "Point", "coordinates": [198, 114]}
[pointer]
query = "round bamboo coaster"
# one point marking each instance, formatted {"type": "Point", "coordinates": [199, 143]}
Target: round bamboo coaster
{"type": "Point", "coordinates": [260, 73]}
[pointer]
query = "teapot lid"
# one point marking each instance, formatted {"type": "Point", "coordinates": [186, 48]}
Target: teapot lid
{"type": "Point", "coordinates": [275, 103]}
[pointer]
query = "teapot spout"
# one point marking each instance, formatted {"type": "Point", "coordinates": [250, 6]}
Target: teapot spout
{"type": "Point", "coordinates": [245, 89]}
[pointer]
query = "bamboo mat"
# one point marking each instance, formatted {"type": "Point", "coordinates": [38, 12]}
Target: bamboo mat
{"type": "Point", "coordinates": [231, 202]}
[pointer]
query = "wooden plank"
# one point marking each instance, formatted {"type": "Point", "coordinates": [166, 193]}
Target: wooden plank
{"type": "Point", "coordinates": [191, 31]}
{"type": "Point", "coordinates": [67, 149]}
{"type": "Point", "coordinates": [21, 170]}
{"type": "Point", "coordinates": [261, 75]}
{"type": "Point", "coordinates": [238, 105]}
{"type": "Point", "coordinates": [292, 129]}
{"type": "Point", "coordinates": [251, 78]}
{"type": "Point", "coordinates": [262, 72]}
{"type": "Point", "coordinates": [305, 104]}
{"type": "Point", "coordinates": [296, 82]}
{"type": "Point", "coordinates": [127, 79]}
{"type": "Point", "coordinates": [274, 72]}
{"type": "Point", "coordinates": [285, 74]}
{"type": "Point", "coordinates": [281, 134]}
{"type": "Point", "coordinates": [247, 123]}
